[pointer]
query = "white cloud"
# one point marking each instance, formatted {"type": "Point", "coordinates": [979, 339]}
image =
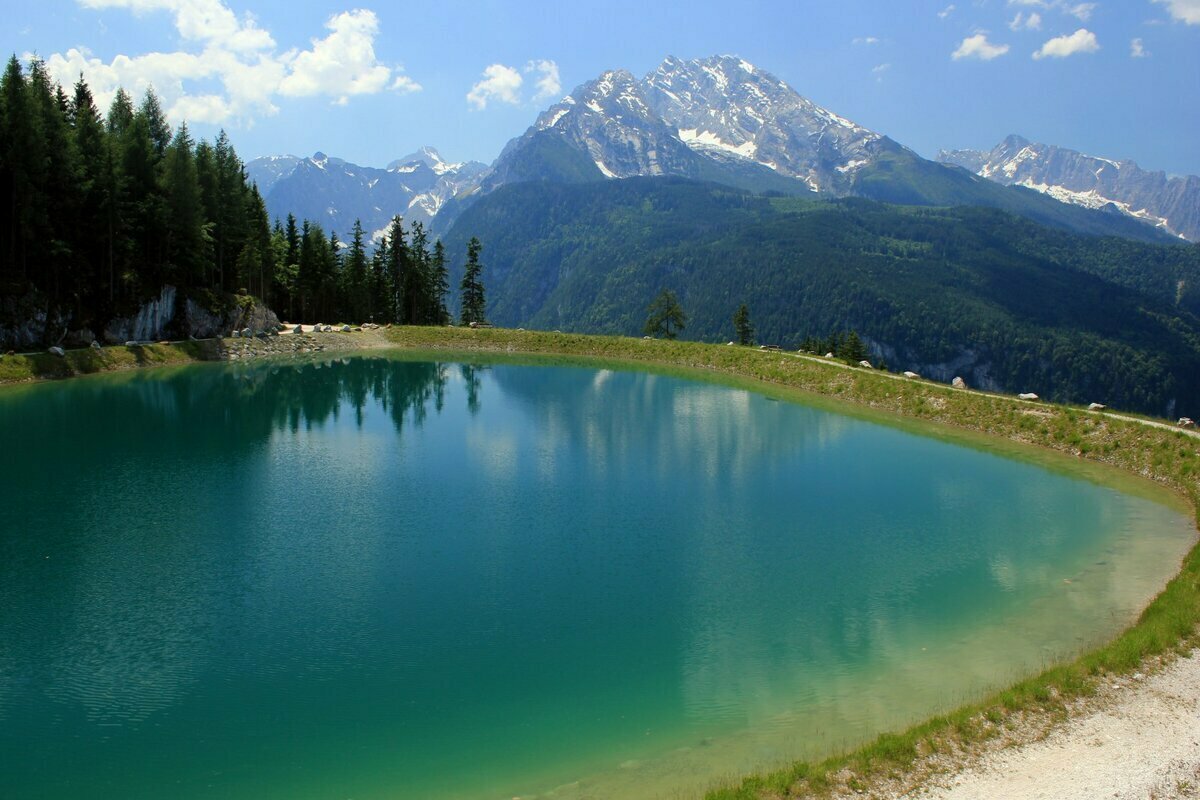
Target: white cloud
{"type": "Point", "coordinates": [342, 64]}
{"type": "Point", "coordinates": [978, 46]}
{"type": "Point", "coordinates": [865, 40]}
{"type": "Point", "coordinates": [878, 70]}
{"type": "Point", "coordinates": [1081, 41]}
{"type": "Point", "coordinates": [221, 48]}
{"type": "Point", "coordinates": [1137, 49]}
{"type": "Point", "coordinates": [947, 11]}
{"type": "Point", "coordinates": [548, 84]}
{"type": "Point", "coordinates": [1032, 22]}
{"type": "Point", "coordinates": [500, 83]}
{"type": "Point", "coordinates": [1187, 11]}
{"type": "Point", "coordinates": [1082, 11]}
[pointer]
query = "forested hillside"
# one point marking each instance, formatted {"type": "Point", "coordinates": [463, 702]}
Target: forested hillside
{"type": "Point", "coordinates": [98, 212]}
{"type": "Point", "coordinates": [1000, 300]}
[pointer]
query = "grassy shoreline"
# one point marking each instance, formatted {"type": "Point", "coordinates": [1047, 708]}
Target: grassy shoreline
{"type": "Point", "coordinates": [1171, 458]}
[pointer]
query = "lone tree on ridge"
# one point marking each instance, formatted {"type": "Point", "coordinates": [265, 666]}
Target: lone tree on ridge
{"type": "Point", "coordinates": [666, 317]}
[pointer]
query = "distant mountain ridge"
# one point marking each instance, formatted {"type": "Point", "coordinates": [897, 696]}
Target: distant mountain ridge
{"type": "Point", "coordinates": [718, 119]}
{"type": "Point", "coordinates": [335, 193]}
{"type": "Point", "coordinates": [1170, 203]}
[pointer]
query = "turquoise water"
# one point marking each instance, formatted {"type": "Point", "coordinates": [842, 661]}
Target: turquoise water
{"type": "Point", "coordinates": [379, 578]}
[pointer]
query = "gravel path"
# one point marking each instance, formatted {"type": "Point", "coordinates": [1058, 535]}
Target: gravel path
{"type": "Point", "coordinates": [1137, 740]}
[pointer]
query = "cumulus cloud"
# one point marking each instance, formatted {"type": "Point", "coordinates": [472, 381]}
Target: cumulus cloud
{"type": "Point", "coordinates": [1032, 22]}
{"type": "Point", "coordinates": [947, 11]}
{"type": "Point", "coordinates": [978, 46]}
{"type": "Point", "coordinates": [499, 83]}
{"type": "Point", "coordinates": [547, 83]}
{"type": "Point", "coordinates": [1137, 49]}
{"type": "Point", "coordinates": [1081, 41]}
{"type": "Point", "coordinates": [342, 64]}
{"type": "Point", "coordinates": [242, 58]}
{"type": "Point", "coordinates": [1186, 11]}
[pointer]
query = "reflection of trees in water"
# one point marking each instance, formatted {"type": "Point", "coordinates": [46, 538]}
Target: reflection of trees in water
{"type": "Point", "coordinates": [224, 409]}
{"type": "Point", "coordinates": [470, 375]}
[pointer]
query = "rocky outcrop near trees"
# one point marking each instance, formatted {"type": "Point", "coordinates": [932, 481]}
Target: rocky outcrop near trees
{"type": "Point", "coordinates": [26, 323]}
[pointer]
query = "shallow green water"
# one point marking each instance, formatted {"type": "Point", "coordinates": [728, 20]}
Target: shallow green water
{"type": "Point", "coordinates": [374, 578]}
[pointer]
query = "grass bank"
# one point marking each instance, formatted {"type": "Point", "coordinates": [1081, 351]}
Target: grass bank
{"type": "Point", "coordinates": [88, 361]}
{"type": "Point", "coordinates": [1168, 457]}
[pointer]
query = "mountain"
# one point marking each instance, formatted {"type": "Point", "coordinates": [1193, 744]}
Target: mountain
{"type": "Point", "coordinates": [334, 193]}
{"type": "Point", "coordinates": [1169, 203]}
{"type": "Point", "coordinates": [968, 291]}
{"type": "Point", "coordinates": [724, 120]}
{"type": "Point", "coordinates": [718, 119]}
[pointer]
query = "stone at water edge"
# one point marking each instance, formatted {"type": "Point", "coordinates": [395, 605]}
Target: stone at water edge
{"type": "Point", "coordinates": [1027, 396]}
{"type": "Point", "coordinates": [958, 383]}
{"type": "Point", "coordinates": [57, 351]}
{"type": "Point", "coordinates": [910, 374]}
{"type": "Point", "coordinates": [1096, 406]}
{"type": "Point", "coordinates": [247, 333]}
{"type": "Point", "coordinates": [298, 329]}
{"type": "Point", "coordinates": [235, 334]}
{"type": "Point", "coordinates": [345, 329]}
{"type": "Point", "coordinates": [829, 355]}
{"type": "Point", "coordinates": [866, 364]}
{"type": "Point", "coordinates": [95, 345]}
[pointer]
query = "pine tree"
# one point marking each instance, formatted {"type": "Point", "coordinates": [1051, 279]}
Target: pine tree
{"type": "Point", "coordinates": [356, 291]}
{"type": "Point", "coordinates": [851, 348]}
{"type": "Point", "coordinates": [120, 114]}
{"type": "Point", "coordinates": [471, 289]}
{"type": "Point", "coordinates": [186, 228]}
{"type": "Point", "coordinates": [665, 316]}
{"type": "Point", "coordinates": [396, 269]}
{"type": "Point", "coordinates": [441, 284]}
{"type": "Point", "coordinates": [742, 325]}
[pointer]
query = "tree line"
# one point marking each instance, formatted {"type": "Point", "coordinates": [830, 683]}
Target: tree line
{"type": "Point", "coordinates": [99, 211]}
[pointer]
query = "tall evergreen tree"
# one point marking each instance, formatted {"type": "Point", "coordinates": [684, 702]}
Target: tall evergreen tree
{"type": "Point", "coordinates": [471, 288]}
{"type": "Point", "coordinates": [187, 232]}
{"type": "Point", "coordinates": [356, 268]}
{"type": "Point", "coordinates": [742, 325]}
{"type": "Point", "coordinates": [441, 284]}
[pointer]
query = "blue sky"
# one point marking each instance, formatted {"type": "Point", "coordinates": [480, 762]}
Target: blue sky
{"type": "Point", "coordinates": [371, 82]}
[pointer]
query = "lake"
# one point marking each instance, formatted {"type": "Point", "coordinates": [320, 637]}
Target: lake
{"type": "Point", "coordinates": [391, 577]}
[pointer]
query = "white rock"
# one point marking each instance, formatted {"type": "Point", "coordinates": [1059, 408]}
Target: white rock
{"type": "Point", "coordinates": [958, 383]}
{"type": "Point", "coordinates": [829, 355]}
{"type": "Point", "coordinates": [909, 374]}
{"type": "Point", "coordinates": [1096, 407]}
{"type": "Point", "coordinates": [57, 351]}
{"type": "Point", "coordinates": [95, 345]}
{"type": "Point", "coordinates": [1028, 396]}
{"type": "Point", "coordinates": [298, 329]}
{"type": "Point", "coordinates": [866, 364]}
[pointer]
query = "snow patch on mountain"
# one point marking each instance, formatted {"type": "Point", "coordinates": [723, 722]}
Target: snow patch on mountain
{"type": "Point", "coordinates": [1169, 203]}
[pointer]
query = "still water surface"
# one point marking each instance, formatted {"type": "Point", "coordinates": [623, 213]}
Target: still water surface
{"type": "Point", "coordinates": [380, 578]}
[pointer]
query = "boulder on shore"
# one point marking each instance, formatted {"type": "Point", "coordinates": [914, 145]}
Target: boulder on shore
{"type": "Point", "coordinates": [95, 345]}
{"type": "Point", "coordinates": [958, 383]}
{"type": "Point", "coordinates": [1096, 406]}
{"type": "Point", "coordinates": [57, 351]}
{"type": "Point", "coordinates": [866, 364]}
{"type": "Point", "coordinates": [1028, 396]}
{"type": "Point", "coordinates": [911, 374]}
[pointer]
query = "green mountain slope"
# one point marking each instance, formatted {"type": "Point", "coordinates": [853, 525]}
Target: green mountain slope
{"type": "Point", "coordinates": [1004, 302]}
